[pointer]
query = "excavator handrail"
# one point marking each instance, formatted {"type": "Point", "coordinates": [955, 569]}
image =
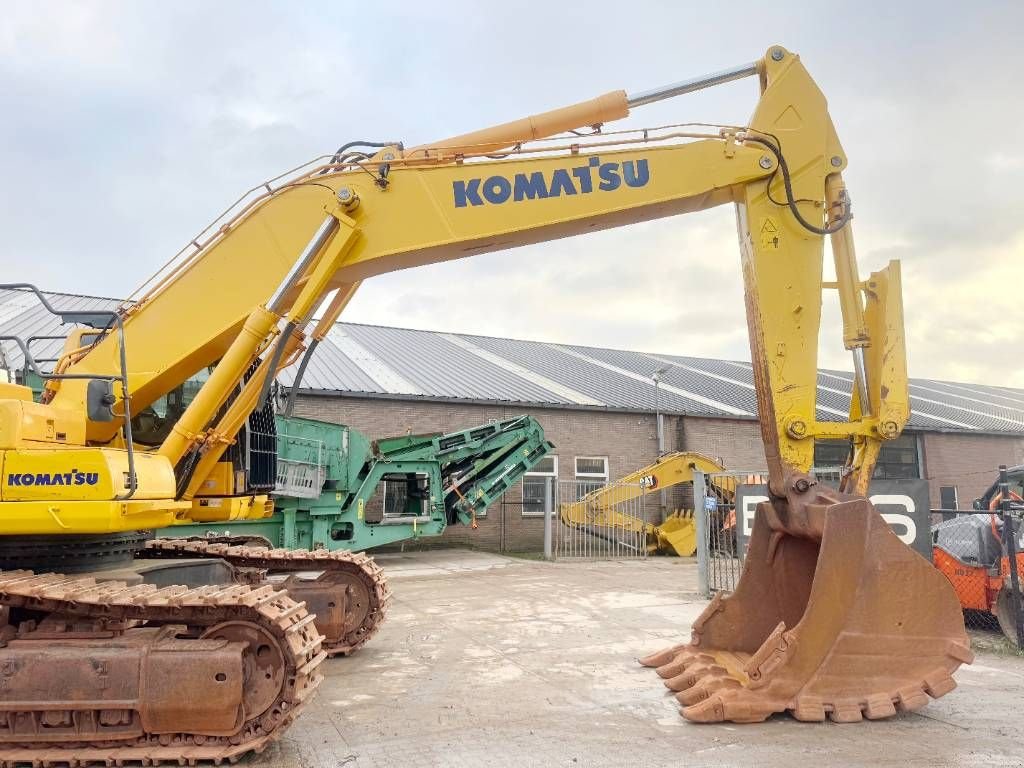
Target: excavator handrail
{"type": "Point", "coordinates": [308, 171]}
{"type": "Point", "coordinates": [102, 320]}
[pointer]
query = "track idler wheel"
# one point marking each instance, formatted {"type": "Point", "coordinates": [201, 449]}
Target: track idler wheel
{"type": "Point", "coordinates": [846, 623]}
{"type": "Point", "coordinates": [340, 599]}
{"type": "Point", "coordinates": [263, 663]}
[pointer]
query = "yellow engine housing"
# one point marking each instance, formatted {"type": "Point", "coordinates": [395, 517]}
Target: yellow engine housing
{"type": "Point", "coordinates": [74, 490]}
{"type": "Point", "coordinates": [23, 422]}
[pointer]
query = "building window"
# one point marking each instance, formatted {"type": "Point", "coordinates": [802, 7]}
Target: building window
{"type": "Point", "coordinates": [591, 473]}
{"type": "Point", "coordinates": [536, 499]}
{"type": "Point", "coordinates": [947, 497]}
{"type": "Point", "coordinates": [897, 460]}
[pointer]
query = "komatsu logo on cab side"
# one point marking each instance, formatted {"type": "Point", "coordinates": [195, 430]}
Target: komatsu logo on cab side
{"type": "Point", "coordinates": [74, 477]}
{"type": "Point", "coordinates": [595, 176]}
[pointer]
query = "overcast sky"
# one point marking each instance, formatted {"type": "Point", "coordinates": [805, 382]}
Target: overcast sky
{"type": "Point", "coordinates": [128, 126]}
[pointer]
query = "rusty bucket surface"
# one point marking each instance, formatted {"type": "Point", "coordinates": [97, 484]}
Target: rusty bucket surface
{"type": "Point", "coordinates": [841, 621]}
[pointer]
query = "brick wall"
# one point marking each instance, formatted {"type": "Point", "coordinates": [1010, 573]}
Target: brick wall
{"type": "Point", "coordinates": [970, 462]}
{"type": "Point", "coordinates": [628, 441]}
{"type": "Point", "coordinates": [735, 443]}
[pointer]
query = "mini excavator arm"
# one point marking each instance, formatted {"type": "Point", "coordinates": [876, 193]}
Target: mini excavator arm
{"type": "Point", "coordinates": [667, 471]}
{"type": "Point", "coordinates": [602, 506]}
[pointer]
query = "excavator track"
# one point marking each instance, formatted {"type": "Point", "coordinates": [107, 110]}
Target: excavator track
{"type": "Point", "coordinates": [350, 597]}
{"type": "Point", "coordinates": [89, 624]}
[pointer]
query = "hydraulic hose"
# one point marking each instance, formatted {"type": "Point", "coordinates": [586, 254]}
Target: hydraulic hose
{"type": "Point", "coordinates": [275, 360]}
{"type": "Point", "coordinates": [371, 144]}
{"type": "Point", "coordinates": [294, 391]}
{"type": "Point", "coordinates": [791, 202]}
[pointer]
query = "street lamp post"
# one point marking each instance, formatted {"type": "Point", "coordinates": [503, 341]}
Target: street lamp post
{"type": "Point", "coordinates": [659, 423]}
{"type": "Point", "coordinates": [658, 420]}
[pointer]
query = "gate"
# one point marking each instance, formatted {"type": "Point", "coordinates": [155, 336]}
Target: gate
{"type": "Point", "coordinates": [596, 520]}
{"type": "Point", "coordinates": [717, 523]}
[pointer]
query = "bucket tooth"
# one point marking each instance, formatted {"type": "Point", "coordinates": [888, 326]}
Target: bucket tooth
{"type": "Point", "coordinates": [694, 674]}
{"type": "Point", "coordinates": [817, 626]}
{"type": "Point", "coordinates": [879, 706]}
{"type": "Point", "coordinates": [737, 706]}
{"type": "Point", "coordinates": [711, 710]}
{"type": "Point", "coordinates": [846, 712]}
{"type": "Point", "coordinates": [680, 662]}
{"type": "Point", "coordinates": [911, 698]}
{"type": "Point", "coordinates": [705, 688]}
{"type": "Point", "coordinates": [684, 661]}
{"type": "Point", "coordinates": [939, 683]}
{"type": "Point", "coordinates": [810, 709]}
{"type": "Point", "coordinates": [662, 657]}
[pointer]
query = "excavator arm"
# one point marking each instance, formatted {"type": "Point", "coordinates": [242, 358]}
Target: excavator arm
{"type": "Point", "coordinates": [667, 471]}
{"type": "Point", "coordinates": [605, 511]}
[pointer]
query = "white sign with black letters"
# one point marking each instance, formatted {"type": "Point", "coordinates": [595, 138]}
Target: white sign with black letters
{"type": "Point", "coordinates": [903, 504]}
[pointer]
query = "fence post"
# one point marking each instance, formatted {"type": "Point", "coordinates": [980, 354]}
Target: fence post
{"type": "Point", "coordinates": [1010, 537]}
{"type": "Point", "coordinates": [700, 522]}
{"type": "Point", "coordinates": [549, 513]}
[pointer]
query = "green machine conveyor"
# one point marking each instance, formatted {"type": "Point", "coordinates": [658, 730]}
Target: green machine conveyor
{"type": "Point", "coordinates": [336, 489]}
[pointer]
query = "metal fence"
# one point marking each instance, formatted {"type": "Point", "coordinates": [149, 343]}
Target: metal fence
{"type": "Point", "coordinates": [969, 549]}
{"type": "Point", "coordinates": [982, 555]}
{"type": "Point", "coordinates": [596, 520]}
{"type": "Point", "coordinates": [719, 560]}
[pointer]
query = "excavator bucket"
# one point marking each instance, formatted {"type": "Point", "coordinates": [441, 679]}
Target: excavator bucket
{"type": "Point", "coordinates": [677, 535]}
{"type": "Point", "coordinates": [845, 624]}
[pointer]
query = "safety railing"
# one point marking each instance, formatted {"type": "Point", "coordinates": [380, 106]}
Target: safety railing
{"type": "Point", "coordinates": [99, 402]}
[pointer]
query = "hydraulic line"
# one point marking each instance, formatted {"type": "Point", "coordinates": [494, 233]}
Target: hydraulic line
{"type": "Point", "coordinates": [369, 144]}
{"type": "Point", "coordinates": [791, 201]}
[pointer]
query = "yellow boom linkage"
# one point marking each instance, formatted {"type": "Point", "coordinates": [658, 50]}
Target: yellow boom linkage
{"type": "Point", "coordinates": [676, 534]}
{"type": "Point", "coordinates": [815, 625]}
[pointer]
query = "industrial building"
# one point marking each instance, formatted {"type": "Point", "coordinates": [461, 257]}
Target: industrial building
{"type": "Point", "coordinates": [598, 406]}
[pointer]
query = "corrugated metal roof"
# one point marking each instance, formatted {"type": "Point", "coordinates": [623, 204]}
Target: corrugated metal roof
{"type": "Point", "coordinates": [403, 363]}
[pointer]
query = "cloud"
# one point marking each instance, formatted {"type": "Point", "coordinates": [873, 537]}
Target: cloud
{"type": "Point", "coordinates": [969, 330]}
{"type": "Point", "coordinates": [129, 126]}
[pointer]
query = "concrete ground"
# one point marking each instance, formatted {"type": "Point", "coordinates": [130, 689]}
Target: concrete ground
{"type": "Point", "coordinates": [493, 661]}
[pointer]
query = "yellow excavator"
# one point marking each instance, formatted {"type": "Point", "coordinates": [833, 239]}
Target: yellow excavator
{"type": "Point", "coordinates": [833, 616]}
{"type": "Point", "coordinates": [603, 511]}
